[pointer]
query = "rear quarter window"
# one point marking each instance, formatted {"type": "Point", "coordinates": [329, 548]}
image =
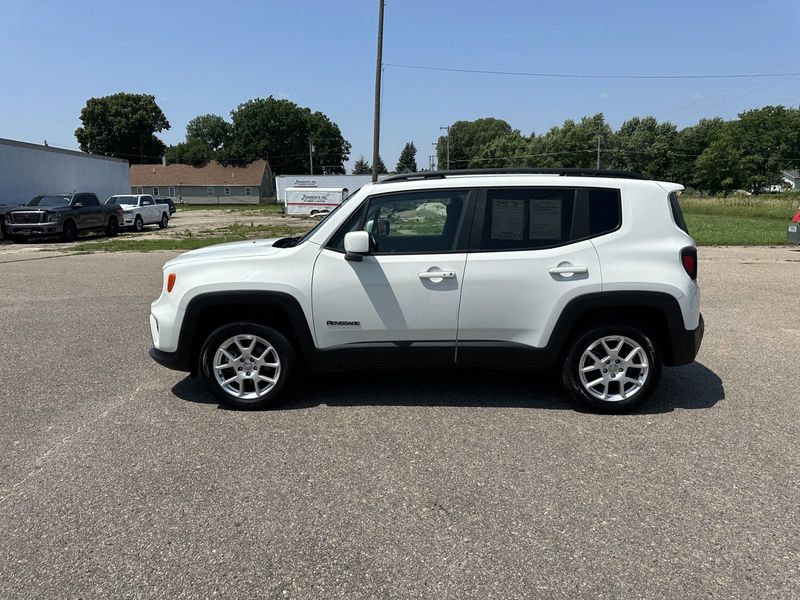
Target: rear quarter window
{"type": "Point", "coordinates": [677, 214]}
{"type": "Point", "coordinates": [605, 211]}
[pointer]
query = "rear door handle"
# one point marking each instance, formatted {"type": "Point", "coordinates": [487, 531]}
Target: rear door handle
{"type": "Point", "coordinates": [565, 269]}
{"type": "Point", "coordinates": [437, 275]}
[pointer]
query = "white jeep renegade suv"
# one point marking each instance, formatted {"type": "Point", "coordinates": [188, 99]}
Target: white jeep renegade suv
{"type": "Point", "coordinates": [592, 272]}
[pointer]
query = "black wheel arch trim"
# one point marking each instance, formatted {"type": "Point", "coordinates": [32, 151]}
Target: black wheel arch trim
{"type": "Point", "coordinates": [188, 344]}
{"type": "Point", "coordinates": [679, 347]}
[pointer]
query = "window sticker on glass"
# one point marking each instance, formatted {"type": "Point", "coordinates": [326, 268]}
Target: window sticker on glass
{"type": "Point", "coordinates": [545, 222]}
{"type": "Point", "coordinates": [507, 218]}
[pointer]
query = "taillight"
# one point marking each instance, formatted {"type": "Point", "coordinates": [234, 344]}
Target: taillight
{"type": "Point", "coordinates": [796, 217]}
{"type": "Point", "coordinates": [689, 261]}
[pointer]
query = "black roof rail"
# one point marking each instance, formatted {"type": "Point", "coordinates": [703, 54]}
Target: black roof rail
{"type": "Point", "coordinates": [566, 172]}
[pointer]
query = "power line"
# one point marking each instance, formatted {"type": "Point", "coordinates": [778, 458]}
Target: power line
{"type": "Point", "coordinates": [769, 85]}
{"type": "Point", "coordinates": [589, 76]}
{"type": "Point", "coordinates": [726, 89]}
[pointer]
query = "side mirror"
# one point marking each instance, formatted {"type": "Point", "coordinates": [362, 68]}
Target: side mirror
{"type": "Point", "coordinates": [356, 245]}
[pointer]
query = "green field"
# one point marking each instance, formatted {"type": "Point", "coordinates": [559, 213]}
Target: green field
{"type": "Point", "coordinates": [739, 220]}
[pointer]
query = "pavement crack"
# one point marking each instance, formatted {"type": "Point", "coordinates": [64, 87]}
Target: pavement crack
{"type": "Point", "coordinates": [39, 463]}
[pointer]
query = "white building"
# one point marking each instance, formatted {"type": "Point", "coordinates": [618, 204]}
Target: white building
{"type": "Point", "coordinates": [27, 170]}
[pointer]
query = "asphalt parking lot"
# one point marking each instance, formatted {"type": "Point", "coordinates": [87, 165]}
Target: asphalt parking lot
{"type": "Point", "coordinates": [119, 478]}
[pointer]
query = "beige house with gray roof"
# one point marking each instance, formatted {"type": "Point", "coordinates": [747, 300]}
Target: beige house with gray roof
{"type": "Point", "coordinates": [213, 183]}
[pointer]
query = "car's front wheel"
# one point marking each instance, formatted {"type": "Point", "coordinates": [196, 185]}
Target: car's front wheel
{"type": "Point", "coordinates": [112, 227]}
{"type": "Point", "coordinates": [69, 232]}
{"type": "Point", "coordinates": [612, 368]}
{"type": "Point", "coordinates": [138, 223]}
{"type": "Point", "coordinates": [247, 365]}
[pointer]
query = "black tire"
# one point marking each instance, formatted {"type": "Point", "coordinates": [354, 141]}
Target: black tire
{"type": "Point", "coordinates": [162, 224]}
{"type": "Point", "coordinates": [69, 231]}
{"type": "Point", "coordinates": [112, 228]}
{"type": "Point", "coordinates": [138, 223]}
{"type": "Point", "coordinates": [622, 394]}
{"type": "Point", "coordinates": [284, 374]}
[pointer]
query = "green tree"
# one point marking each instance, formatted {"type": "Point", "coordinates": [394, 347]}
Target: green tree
{"type": "Point", "coordinates": [510, 150]}
{"type": "Point", "coordinates": [331, 150]}
{"type": "Point", "coordinates": [408, 159]}
{"type": "Point", "coordinates": [717, 168]}
{"type": "Point", "coordinates": [123, 125]}
{"type": "Point", "coordinates": [192, 152]}
{"type": "Point", "coordinates": [466, 140]}
{"type": "Point", "coordinates": [690, 143]}
{"type": "Point", "coordinates": [381, 167]}
{"type": "Point", "coordinates": [279, 131]}
{"type": "Point", "coordinates": [574, 144]}
{"type": "Point", "coordinates": [361, 166]}
{"type": "Point", "coordinates": [751, 152]}
{"type": "Point", "coordinates": [646, 146]}
{"type": "Point", "coordinates": [211, 130]}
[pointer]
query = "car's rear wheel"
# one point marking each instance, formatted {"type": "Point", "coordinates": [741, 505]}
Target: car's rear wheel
{"type": "Point", "coordinates": [164, 221]}
{"type": "Point", "coordinates": [112, 228]}
{"type": "Point", "coordinates": [247, 365]}
{"type": "Point", "coordinates": [138, 223]}
{"type": "Point", "coordinates": [69, 231]}
{"type": "Point", "coordinates": [612, 368]}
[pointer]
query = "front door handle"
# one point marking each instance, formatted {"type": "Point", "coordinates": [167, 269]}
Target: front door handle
{"type": "Point", "coordinates": [568, 269]}
{"type": "Point", "coordinates": [437, 275]}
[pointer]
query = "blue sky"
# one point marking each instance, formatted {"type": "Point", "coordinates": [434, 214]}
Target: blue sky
{"type": "Point", "coordinates": [201, 57]}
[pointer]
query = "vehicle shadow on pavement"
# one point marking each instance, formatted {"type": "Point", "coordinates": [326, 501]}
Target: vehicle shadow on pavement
{"type": "Point", "coordinates": [687, 387]}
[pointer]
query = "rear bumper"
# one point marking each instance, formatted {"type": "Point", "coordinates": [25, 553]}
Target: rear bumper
{"type": "Point", "coordinates": [685, 344]}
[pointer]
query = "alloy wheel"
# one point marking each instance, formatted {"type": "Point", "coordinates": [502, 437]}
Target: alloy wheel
{"type": "Point", "coordinates": [613, 368]}
{"type": "Point", "coordinates": [246, 367]}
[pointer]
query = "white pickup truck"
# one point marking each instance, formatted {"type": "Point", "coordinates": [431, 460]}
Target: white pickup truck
{"type": "Point", "coordinates": [139, 210]}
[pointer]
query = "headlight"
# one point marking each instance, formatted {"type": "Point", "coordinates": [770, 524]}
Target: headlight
{"type": "Point", "coordinates": [52, 217]}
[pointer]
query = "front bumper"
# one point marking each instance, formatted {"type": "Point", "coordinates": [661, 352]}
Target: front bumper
{"type": "Point", "coordinates": [25, 229]}
{"type": "Point", "coordinates": [685, 344]}
{"type": "Point", "coordinates": [171, 360]}
{"type": "Point", "coordinates": [793, 237]}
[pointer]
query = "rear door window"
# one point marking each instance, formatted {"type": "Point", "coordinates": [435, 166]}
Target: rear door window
{"type": "Point", "coordinates": [540, 217]}
{"type": "Point", "coordinates": [527, 218]}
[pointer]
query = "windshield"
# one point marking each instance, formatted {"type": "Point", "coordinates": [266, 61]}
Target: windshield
{"type": "Point", "coordinates": [56, 200]}
{"type": "Point", "coordinates": [121, 200]}
{"type": "Point", "coordinates": [325, 218]}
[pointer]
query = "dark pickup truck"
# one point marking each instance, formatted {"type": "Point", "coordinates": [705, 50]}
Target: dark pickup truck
{"type": "Point", "coordinates": [4, 210]}
{"type": "Point", "coordinates": [62, 215]}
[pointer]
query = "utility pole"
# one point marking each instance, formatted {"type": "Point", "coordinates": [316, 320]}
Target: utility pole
{"type": "Point", "coordinates": [598, 150]}
{"type": "Point", "coordinates": [448, 145]}
{"type": "Point", "coordinates": [310, 156]}
{"type": "Point", "coordinates": [376, 135]}
{"type": "Point", "coordinates": [430, 162]}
